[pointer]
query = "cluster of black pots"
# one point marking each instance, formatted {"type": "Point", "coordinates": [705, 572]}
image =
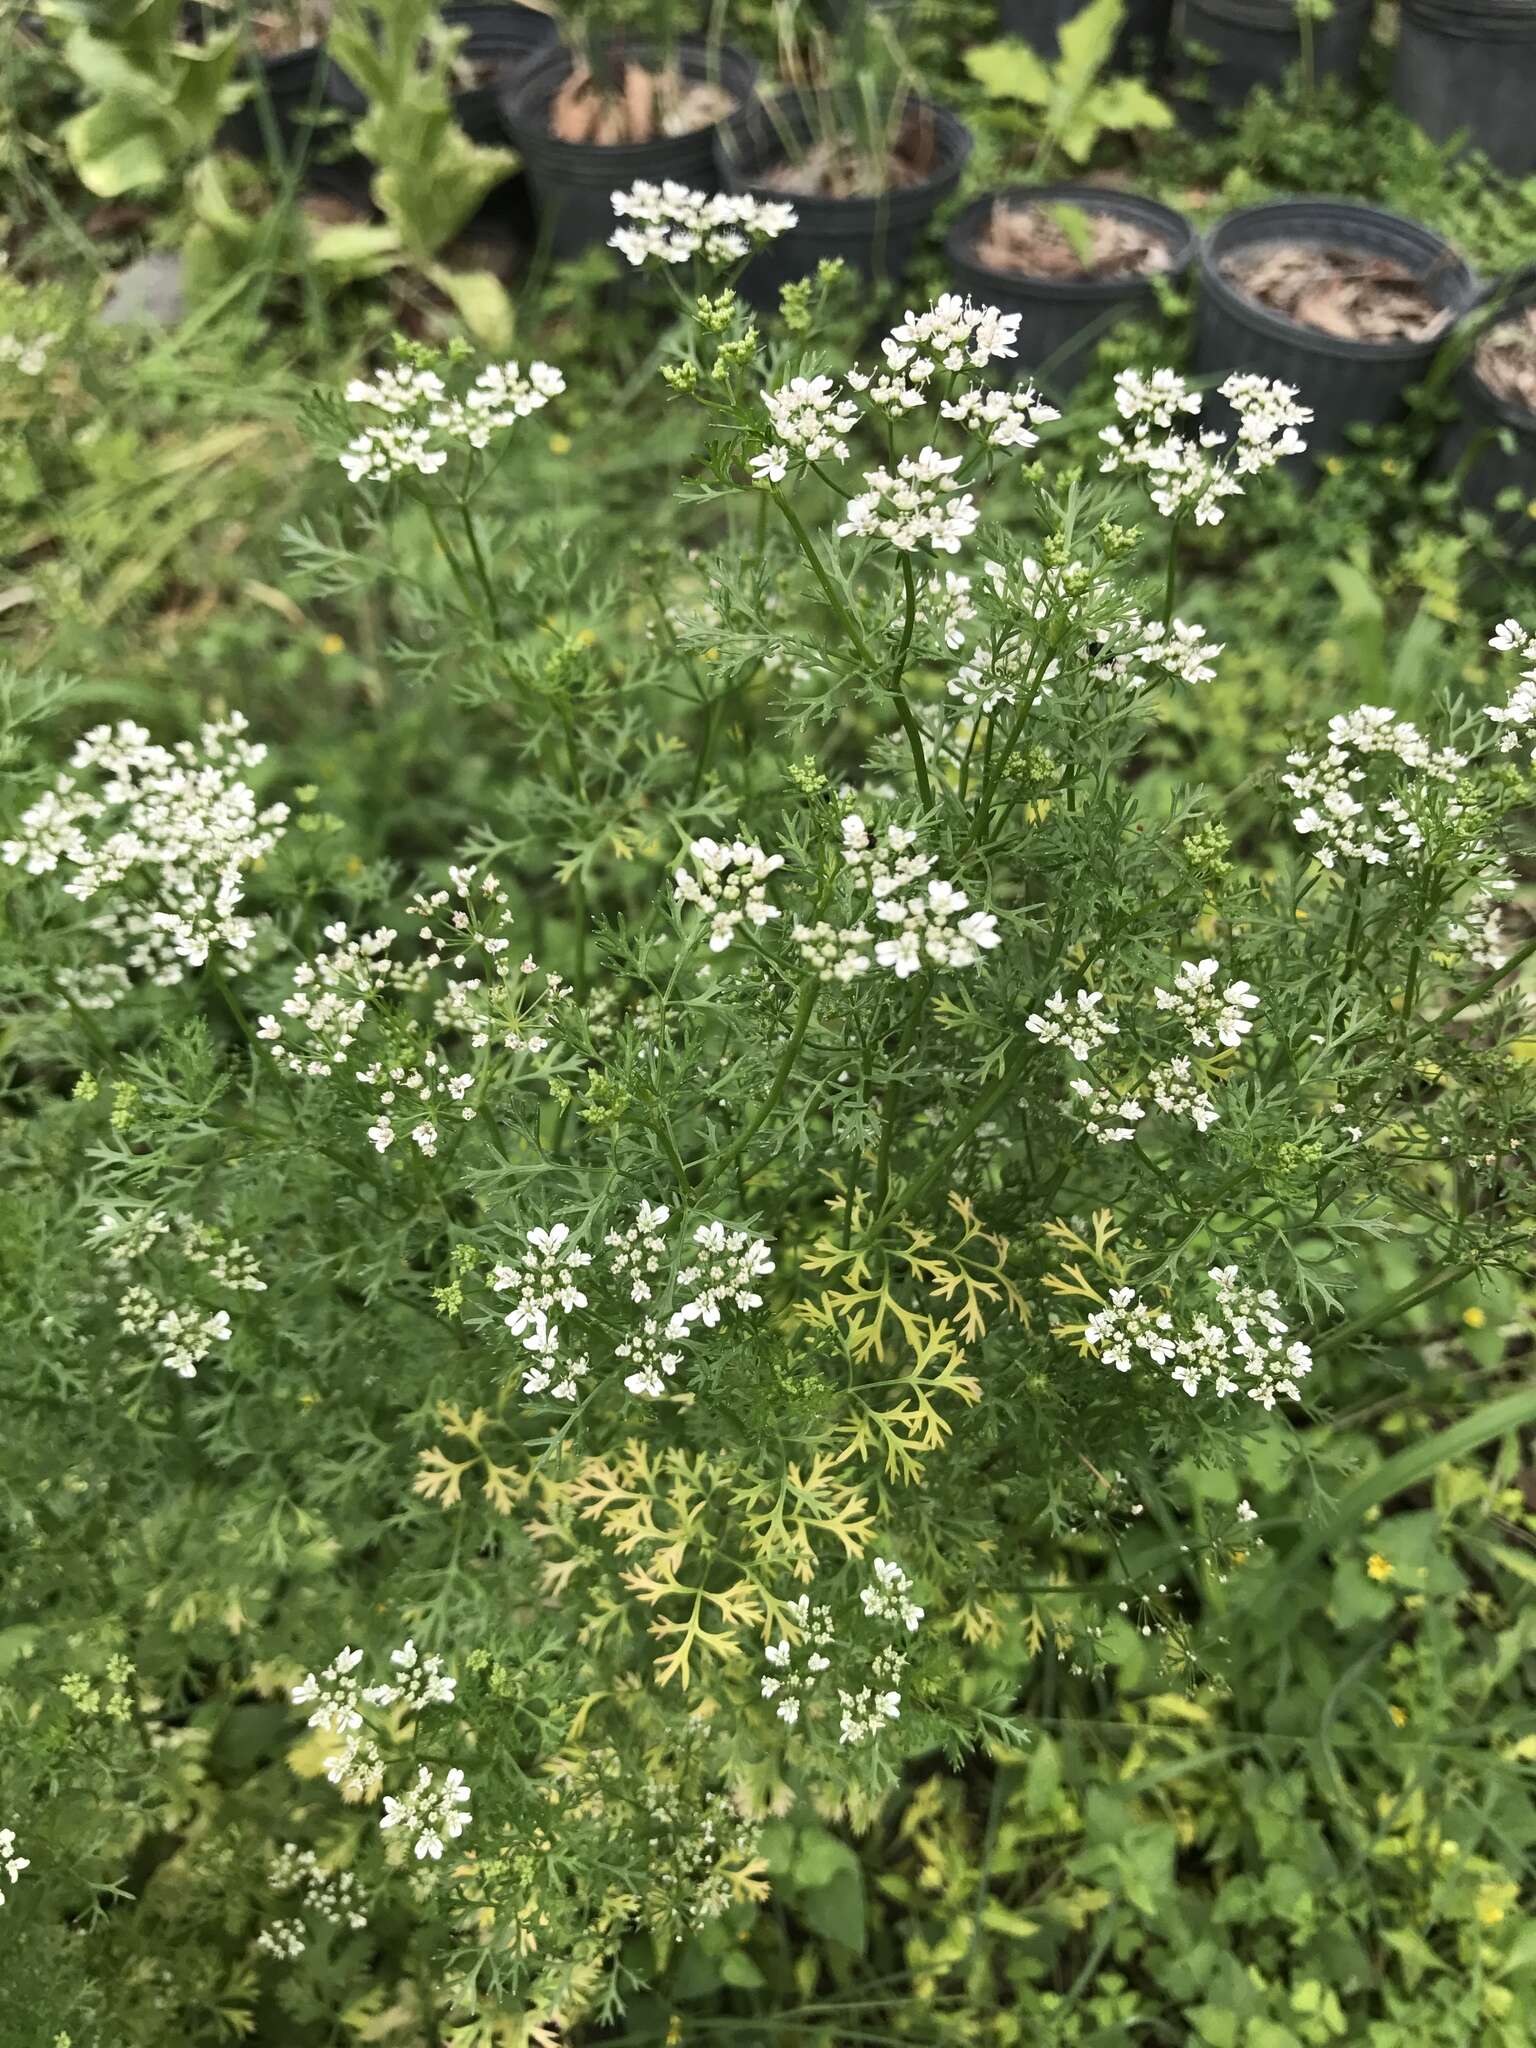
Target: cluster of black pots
{"type": "Point", "coordinates": [1347, 384]}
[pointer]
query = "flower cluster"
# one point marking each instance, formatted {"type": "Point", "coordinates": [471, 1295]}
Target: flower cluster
{"type": "Point", "coordinates": [671, 223]}
{"type": "Point", "coordinates": [1187, 477]}
{"type": "Point", "coordinates": [693, 1290]}
{"type": "Point", "coordinates": [729, 888]}
{"type": "Point", "coordinates": [431, 1811]}
{"type": "Point", "coordinates": [920, 913]}
{"type": "Point", "coordinates": [997, 417]}
{"type": "Point", "coordinates": [697, 1854]}
{"type": "Point", "coordinates": [423, 421]}
{"type": "Point", "coordinates": [30, 357]}
{"type": "Point", "coordinates": [1244, 1347]}
{"type": "Point", "coordinates": [506, 1005]}
{"type": "Point", "coordinates": [168, 831]}
{"type": "Point", "coordinates": [809, 420]}
{"type": "Point", "coordinates": [1517, 718]}
{"type": "Point", "coordinates": [795, 1668]}
{"type": "Point", "coordinates": [1150, 651]}
{"type": "Point", "coordinates": [952, 336]}
{"type": "Point", "coordinates": [317, 1891]}
{"type": "Point", "coordinates": [919, 506]}
{"type": "Point", "coordinates": [789, 1682]}
{"type": "Point", "coordinates": [12, 1864]}
{"type": "Point", "coordinates": [162, 1317]}
{"type": "Point", "coordinates": [1344, 819]}
{"type": "Point", "coordinates": [1081, 1025]}
{"type": "Point", "coordinates": [1211, 1016]}
{"type": "Point", "coordinates": [889, 1597]}
{"type": "Point", "coordinates": [546, 1284]}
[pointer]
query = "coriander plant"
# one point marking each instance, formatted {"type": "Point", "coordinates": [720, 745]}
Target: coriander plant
{"type": "Point", "coordinates": [609, 1319]}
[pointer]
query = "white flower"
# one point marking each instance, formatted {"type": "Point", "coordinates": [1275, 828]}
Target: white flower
{"type": "Point", "coordinates": [729, 887]}
{"type": "Point", "coordinates": [887, 1598]}
{"type": "Point", "coordinates": [639, 1254]}
{"type": "Point", "coordinates": [652, 1363]}
{"type": "Point", "coordinates": [430, 1812]}
{"type": "Point", "coordinates": [952, 336]}
{"type": "Point", "coordinates": [1348, 812]}
{"type": "Point", "coordinates": [922, 912]}
{"type": "Point", "coordinates": [1210, 1016]}
{"type": "Point", "coordinates": [1108, 1115]}
{"type": "Point", "coordinates": [833, 954]}
{"type": "Point", "coordinates": [809, 420]}
{"type": "Point", "coordinates": [1188, 478]}
{"type": "Point", "coordinates": [1517, 718]}
{"type": "Point", "coordinates": [721, 1275]}
{"type": "Point", "coordinates": [917, 507]}
{"type": "Point", "coordinates": [1244, 1348]}
{"type": "Point", "coordinates": [29, 357]}
{"type": "Point", "coordinates": [329, 1895]}
{"type": "Point", "coordinates": [1176, 1094]}
{"type": "Point", "coordinates": [671, 223]}
{"type": "Point", "coordinates": [423, 420]}
{"type": "Point", "coordinates": [421, 1682]}
{"type": "Point", "coordinates": [999, 418]}
{"type": "Point", "coordinates": [1081, 1025]}
{"type": "Point", "coordinates": [12, 1864]}
{"type": "Point", "coordinates": [166, 835]}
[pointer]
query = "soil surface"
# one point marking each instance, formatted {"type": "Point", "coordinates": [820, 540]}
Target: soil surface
{"type": "Point", "coordinates": [1345, 292]}
{"type": "Point", "coordinates": [640, 106]}
{"type": "Point", "coordinates": [837, 167]}
{"type": "Point", "coordinates": [1506, 359]}
{"type": "Point", "coordinates": [1063, 239]}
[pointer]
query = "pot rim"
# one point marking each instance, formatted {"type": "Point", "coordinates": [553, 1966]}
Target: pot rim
{"type": "Point", "coordinates": [1211, 245]}
{"type": "Point", "coordinates": [955, 145]}
{"type": "Point", "coordinates": [1183, 238]}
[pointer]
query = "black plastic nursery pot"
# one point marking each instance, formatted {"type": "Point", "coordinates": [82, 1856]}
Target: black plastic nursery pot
{"type": "Point", "coordinates": [1489, 449]}
{"type": "Point", "coordinates": [302, 87]}
{"type": "Point", "coordinates": [501, 37]}
{"type": "Point", "coordinates": [1346, 383]}
{"type": "Point", "coordinates": [874, 235]}
{"type": "Point", "coordinates": [1469, 66]}
{"type": "Point", "coordinates": [1229, 48]}
{"type": "Point", "coordinates": [573, 183]}
{"type": "Point", "coordinates": [1143, 33]}
{"type": "Point", "coordinates": [1063, 319]}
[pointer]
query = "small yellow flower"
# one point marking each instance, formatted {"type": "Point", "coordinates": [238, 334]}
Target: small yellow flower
{"type": "Point", "coordinates": [1377, 1567]}
{"type": "Point", "coordinates": [1474, 1318]}
{"type": "Point", "coordinates": [586, 637]}
{"type": "Point", "coordinates": [354, 865]}
{"type": "Point", "coordinates": [1301, 917]}
{"type": "Point", "coordinates": [1493, 1902]}
{"type": "Point", "coordinates": [559, 444]}
{"type": "Point", "coordinates": [1399, 1717]}
{"type": "Point", "coordinates": [333, 644]}
{"type": "Point", "coordinates": [711, 654]}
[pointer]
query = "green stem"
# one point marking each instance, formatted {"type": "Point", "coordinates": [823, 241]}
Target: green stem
{"type": "Point", "coordinates": [904, 709]}
{"type": "Point", "coordinates": [780, 1082]}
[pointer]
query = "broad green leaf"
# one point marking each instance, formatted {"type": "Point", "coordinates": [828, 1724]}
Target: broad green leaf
{"type": "Point", "coordinates": [1010, 71]}
{"type": "Point", "coordinates": [483, 305]}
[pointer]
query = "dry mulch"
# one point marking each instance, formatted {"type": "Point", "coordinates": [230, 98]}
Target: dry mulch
{"type": "Point", "coordinates": [1506, 359]}
{"type": "Point", "coordinates": [640, 106]}
{"type": "Point", "coordinates": [1347, 293]}
{"type": "Point", "coordinates": [1066, 240]}
{"type": "Point", "coordinates": [836, 167]}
